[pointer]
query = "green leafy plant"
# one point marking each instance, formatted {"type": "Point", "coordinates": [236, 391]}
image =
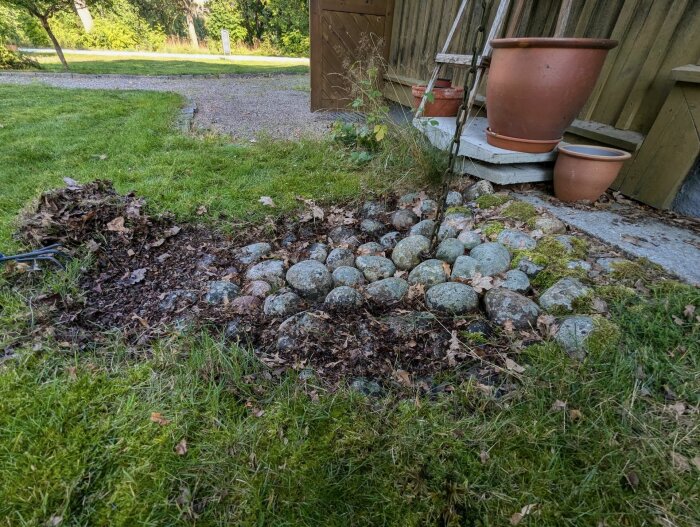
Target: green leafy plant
{"type": "Point", "coordinates": [11, 60]}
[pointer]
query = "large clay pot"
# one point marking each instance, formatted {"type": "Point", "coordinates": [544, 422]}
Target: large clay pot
{"type": "Point", "coordinates": [584, 172]}
{"type": "Point", "coordinates": [446, 100]}
{"type": "Point", "coordinates": [537, 86]}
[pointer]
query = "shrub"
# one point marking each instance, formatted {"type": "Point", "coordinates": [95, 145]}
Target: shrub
{"type": "Point", "coordinates": [295, 43]}
{"type": "Point", "coordinates": [11, 60]}
{"type": "Point", "coordinates": [224, 15]}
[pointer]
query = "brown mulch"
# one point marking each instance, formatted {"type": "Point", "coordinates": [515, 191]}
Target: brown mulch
{"type": "Point", "coordinates": [136, 259]}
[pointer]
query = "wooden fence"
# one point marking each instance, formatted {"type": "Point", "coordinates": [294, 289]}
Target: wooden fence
{"type": "Point", "coordinates": [655, 36]}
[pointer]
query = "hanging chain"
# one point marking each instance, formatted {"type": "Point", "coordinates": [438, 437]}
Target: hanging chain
{"type": "Point", "coordinates": [462, 116]}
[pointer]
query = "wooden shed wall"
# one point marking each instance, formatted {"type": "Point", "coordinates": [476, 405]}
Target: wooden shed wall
{"type": "Point", "coordinates": [655, 36]}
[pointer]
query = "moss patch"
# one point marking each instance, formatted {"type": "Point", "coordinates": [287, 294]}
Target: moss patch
{"type": "Point", "coordinates": [553, 256]}
{"type": "Point", "coordinates": [488, 201]}
{"type": "Point", "coordinates": [519, 210]}
{"type": "Point", "coordinates": [493, 228]}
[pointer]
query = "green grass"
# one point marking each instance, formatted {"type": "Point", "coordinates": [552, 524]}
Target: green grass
{"type": "Point", "coordinates": [77, 442]}
{"type": "Point", "coordinates": [98, 64]}
{"type": "Point", "coordinates": [49, 133]}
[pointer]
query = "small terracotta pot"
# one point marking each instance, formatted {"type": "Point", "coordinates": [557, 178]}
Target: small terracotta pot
{"type": "Point", "coordinates": [537, 86]}
{"type": "Point", "coordinates": [445, 104]}
{"type": "Point", "coordinates": [584, 172]}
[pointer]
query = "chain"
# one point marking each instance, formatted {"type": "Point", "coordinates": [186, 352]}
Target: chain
{"type": "Point", "coordinates": [462, 116]}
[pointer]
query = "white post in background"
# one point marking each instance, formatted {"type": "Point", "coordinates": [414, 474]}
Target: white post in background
{"type": "Point", "coordinates": [225, 42]}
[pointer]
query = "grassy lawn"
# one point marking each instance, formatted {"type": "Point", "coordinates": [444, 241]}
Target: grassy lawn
{"type": "Point", "coordinates": [98, 64]}
{"type": "Point", "coordinates": [78, 445]}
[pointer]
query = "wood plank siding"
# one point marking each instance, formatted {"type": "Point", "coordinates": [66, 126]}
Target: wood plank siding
{"type": "Point", "coordinates": [655, 36]}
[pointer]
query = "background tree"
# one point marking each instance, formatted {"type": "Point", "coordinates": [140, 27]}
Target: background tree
{"type": "Point", "coordinates": [43, 10]}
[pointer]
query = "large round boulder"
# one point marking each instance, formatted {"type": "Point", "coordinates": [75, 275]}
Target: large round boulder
{"type": "Point", "coordinates": [343, 298]}
{"type": "Point", "coordinates": [403, 219]}
{"type": "Point", "coordinates": [562, 295]}
{"type": "Point", "coordinates": [310, 278]}
{"type": "Point", "coordinates": [282, 304]}
{"type": "Point", "coordinates": [449, 250]}
{"type": "Point", "coordinates": [388, 291]}
{"type": "Point", "coordinates": [349, 276]}
{"type": "Point", "coordinates": [270, 271]}
{"type": "Point", "coordinates": [503, 305]}
{"type": "Point", "coordinates": [340, 257]}
{"type": "Point", "coordinates": [375, 267]}
{"type": "Point", "coordinates": [428, 273]}
{"type": "Point", "coordinates": [493, 258]}
{"type": "Point", "coordinates": [452, 297]}
{"type": "Point", "coordinates": [406, 254]}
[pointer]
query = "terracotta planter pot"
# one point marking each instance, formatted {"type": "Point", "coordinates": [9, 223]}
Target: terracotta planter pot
{"type": "Point", "coordinates": [537, 86]}
{"type": "Point", "coordinates": [445, 104]}
{"type": "Point", "coordinates": [585, 172]}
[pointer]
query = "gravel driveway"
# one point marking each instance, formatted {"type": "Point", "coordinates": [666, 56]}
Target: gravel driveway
{"type": "Point", "coordinates": [241, 105]}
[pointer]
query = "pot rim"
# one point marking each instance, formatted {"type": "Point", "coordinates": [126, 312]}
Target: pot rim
{"type": "Point", "coordinates": [439, 93]}
{"type": "Point", "coordinates": [538, 42]}
{"type": "Point", "coordinates": [522, 139]}
{"type": "Point", "coordinates": [620, 155]}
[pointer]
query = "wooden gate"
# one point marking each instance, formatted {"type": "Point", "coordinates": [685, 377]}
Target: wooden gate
{"type": "Point", "coordinates": [337, 26]}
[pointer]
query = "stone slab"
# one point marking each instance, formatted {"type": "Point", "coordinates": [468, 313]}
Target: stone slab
{"type": "Point", "coordinates": [676, 250]}
{"type": "Point", "coordinates": [505, 174]}
{"type": "Point", "coordinates": [440, 130]}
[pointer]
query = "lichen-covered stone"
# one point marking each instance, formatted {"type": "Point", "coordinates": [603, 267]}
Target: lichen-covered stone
{"type": "Point", "coordinates": [493, 258]}
{"type": "Point", "coordinates": [579, 264]}
{"type": "Point", "coordinates": [406, 254]}
{"type": "Point", "coordinates": [343, 298]}
{"type": "Point", "coordinates": [562, 295]}
{"type": "Point", "coordinates": [516, 280]}
{"type": "Point", "coordinates": [282, 305]}
{"type": "Point", "coordinates": [423, 228]}
{"type": "Point", "coordinates": [428, 208]}
{"type": "Point", "coordinates": [458, 220]}
{"type": "Point", "coordinates": [454, 199]}
{"type": "Point", "coordinates": [349, 276]}
{"type": "Point", "coordinates": [464, 268]}
{"type": "Point", "coordinates": [447, 230]}
{"type": "Point", "coordinates": [428, 273]}
{"type": "Point", "coordinates": [530, 268]}
{"type": "Point", "coordinates": [388, 291]}
{"type": "Point", "coordinates": [480, 188]}
{"type": "Point", "coordinates": [177, 299]}
{"type": "Point", "coordinates": [258, 288]}
{"type": "Point", "coordinates": [503, 305]}
{"type": "Point", "coordinates": [573, 333]}
{"type": "Point", "coordinates": [340, 257]}
{"type": "Point", "coordinates": [372, 209]}
{"type": "Point", "coordinates": [449, 250]}
{"type": "Point", "coordinates": [220, 292]}
{"type": "Point", "coordinates": [389, 240]}
{"type": "Point", "coordinates": [371, 226]}
{"type": "Point", "coordinates": [253, 253]}
{"type": "Point", "coordinates": [246, 304]}
{"type": "Point", "coordinates": [608, 264]}
{"type": "Point", "coordinates": [343, 235]}
{"type": "Point", "coordinates": [318, 251]}
{"type": "Point", "coordinates": [452, 297]}
{"type": "Point", "coordinates": [469, 239]}
{"type": "Point", "coordinates": [370, 249]}
{"type": "Point", "coordinates": [403, 219]}
{"type": "Point", "coordinates": [310, 278]}
{"type": "Point", "coordinates": [550, 225]}
{"type": "Point", "coordinates": [271, 271]}
{"type": "Point", "coordinates": [516, 240]}
{"type": "Point", "coordinates": [375, 267]}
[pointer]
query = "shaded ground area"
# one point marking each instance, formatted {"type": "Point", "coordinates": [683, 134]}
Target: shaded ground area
{"type": "Point", "coordinates": [240, 106]}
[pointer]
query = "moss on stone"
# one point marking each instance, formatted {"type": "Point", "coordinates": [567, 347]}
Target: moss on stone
{"type": "Point", "coordinates": [458, 210]}
{"type": "Point", "coordinates": [519, 210]}
{"type": "Point", "coordinates": [492, 228]}
{"type": "Point", "coordinates": [553, 256]}
{"type": "Point", "coordinates": [605, 336]}
{"type": "Point", "coordinates": [488, 201]}
{"type": "Point", "coordinates": [473, 338]}
{"type": "Point", "coordinates": [615, 293]}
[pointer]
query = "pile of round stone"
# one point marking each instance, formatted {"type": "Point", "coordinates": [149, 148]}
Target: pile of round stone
{"type": "Point", "coordinates": [343, 274]}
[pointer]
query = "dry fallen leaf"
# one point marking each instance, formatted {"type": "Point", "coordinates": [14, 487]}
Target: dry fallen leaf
{"type": "Point", "coordinates": [267, 201]}
{"type": "Point", "coordinates": [680, 462]}
{"type": "Point", "coordinates": [54, 521]}
{"type": "Point", "coordinates": [677, 320]}
{"type": "Point", "coordinates": [172, 231]}
{"type": "Point", "coordinates": [157, 417]}
{"type": "Point", "coordinates": [484, 456]}
{"type": "Point", "coordinates": [117, 225]}
{"type": "Point", "coordinates": [71, 183]}
{"type": "Point", "coordinates": [511, 365]}
{"type": "Point", "coordinates": [481, 283]}
{"type": "Point", "coordinates": [454, 350]}
{"type": "Point", "coordinates": [696, 461]}
{"type": "Point", "coordinates": [678, 408]}
{"type": "Point", "coordinates": [403, 377]}
{"type": "Point", "coordinates": [137, 276]}
{"type": "Point", "coordinates": [201, 210]}
{"type": "Point", "coordinates": [558, 406]}
{"type": "Point", "coordinates": [689, 311]}
{"type": "Point", "coordinates": [181, 447]}
{"type": "Point", "coordinates": [518, 516]}
{"type": "Point", "coordinates": [575, 415]}
{"type": "Point", "coordinates": [632, 479]}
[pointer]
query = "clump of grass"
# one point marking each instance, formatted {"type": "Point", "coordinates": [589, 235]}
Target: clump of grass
{"type": "Point", "coordinates": [632, 271]}
{"type": "Point", "coordinates": [488, 201]}
{"type": "Point", "coordinates": [520, 211]}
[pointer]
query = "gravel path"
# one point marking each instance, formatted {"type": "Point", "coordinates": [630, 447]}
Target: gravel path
{"type": "Point", "coordinates": [242, 106]}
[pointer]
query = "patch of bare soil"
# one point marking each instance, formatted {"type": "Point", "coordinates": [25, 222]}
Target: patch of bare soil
{"type": "Point", "coordinates": [138, 260]}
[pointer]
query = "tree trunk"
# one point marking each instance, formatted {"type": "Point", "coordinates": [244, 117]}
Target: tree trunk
{"type": "Point", "coordinates": [191, 30]}
{"type": "Point", "coordinates": [56, 45]}
{"type": "Point", "coordinates": [83, 12]}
